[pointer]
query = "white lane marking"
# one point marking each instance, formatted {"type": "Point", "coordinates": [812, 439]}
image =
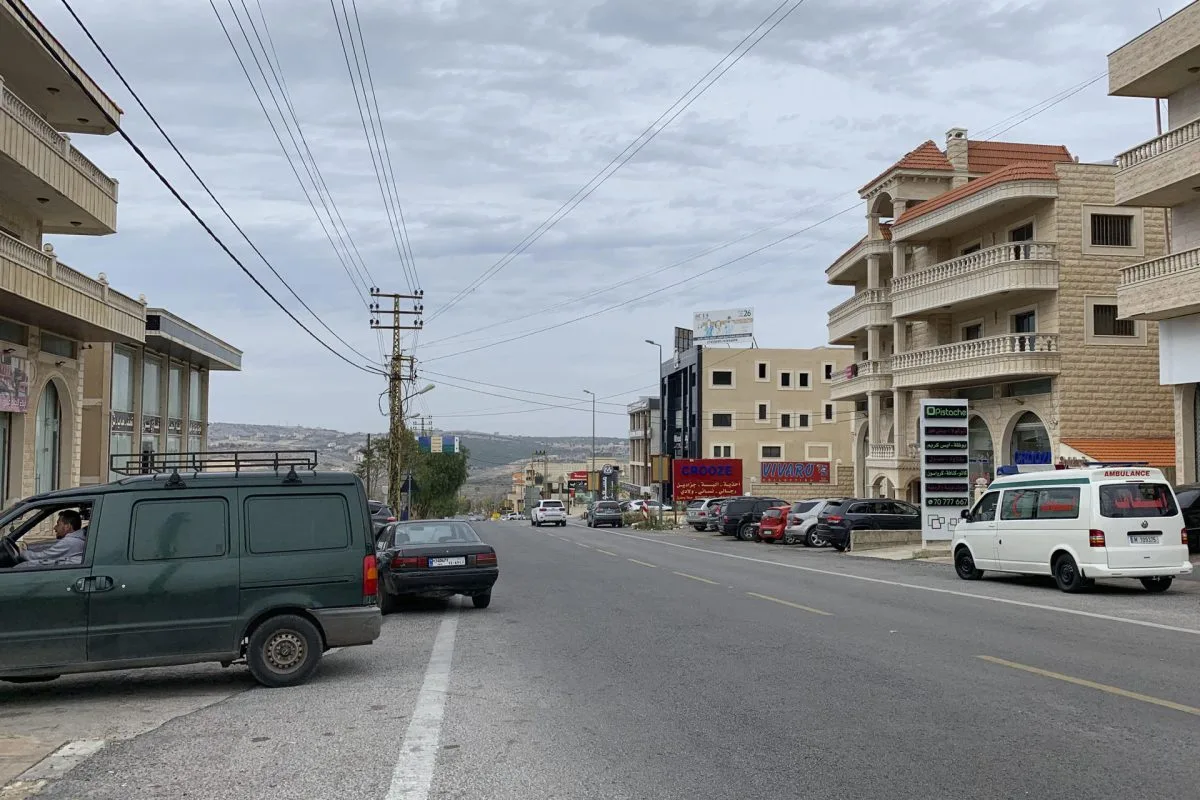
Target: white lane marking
{"type": "Point", "coordinates": [413, 774]}
{"type": "Point", "coordinates": [934, 589]}
{"type": "Point", "coordinates": [63, 760]}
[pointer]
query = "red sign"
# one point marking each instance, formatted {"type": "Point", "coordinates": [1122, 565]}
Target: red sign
{"type": "Point", "coordinates": [580, 475]}
{"type": "Point", "coordinates": [706, 477]}
{"type": "Point", "coordinates": [795, 472]}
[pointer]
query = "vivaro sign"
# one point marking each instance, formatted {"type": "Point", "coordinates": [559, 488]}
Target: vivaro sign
{"type": "Point", "coordinates": [706, 477]}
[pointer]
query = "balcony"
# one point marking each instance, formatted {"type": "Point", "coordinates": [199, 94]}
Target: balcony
{"type": "Point", "coordinates": [1156, 63]}
{"type": "Point", "coordinates": [1014, 356]}
{"type": "Point", "coordinates": [859, 379]}
{"type": "Point", "coordinates": [851, 267]}
{"type": "Point", "coordinates": [40, 169]}
{"type": "Point", "coordinates": [1161, 288]}
{"type": "Point", "coordinates": [868, 308]}
{"type": "Point", "coordinates": [1163, 172]}
{"type": "Point", "coordinates": [883, 456]}
{"type": "Point", "coordinates": [976, 278]}
{"type": "Point", "coordinates": [36, 289]}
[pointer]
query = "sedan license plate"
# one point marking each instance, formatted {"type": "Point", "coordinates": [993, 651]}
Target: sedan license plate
{"type": "Point", "coordinates": [1142, 538]}
{"type": "Point", "coordinates": [452, 561]}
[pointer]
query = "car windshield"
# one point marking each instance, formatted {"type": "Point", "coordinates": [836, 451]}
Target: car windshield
{"type": "Point", "coordinates": [801, 507]}
{"type": "Point", "coordinates": [552, 504]}
{"type": "Point", "coordinates": [434, 532]}
{"type": "Point", "coordinates": [608, 506]}
{"type": "Point", "coordinates": [1122, 500]}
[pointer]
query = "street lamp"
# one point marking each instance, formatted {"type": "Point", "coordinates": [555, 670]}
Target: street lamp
{"type": "Point", "coordinates": [429, 387]}
{"type": "Point", "coordinates": [593, 394]}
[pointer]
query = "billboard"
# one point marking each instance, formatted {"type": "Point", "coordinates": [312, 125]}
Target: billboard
{"type": "Point", "coordinates": [726, 325]}
{"type": "Point", "coordinates": [706, 477]}
{"type": "Point", "coordinates": [795, 472]}
{"type": "Point", "coordinates": [578, 481]}
{"type": "Point", "coordinates": [945, 471]}
{"type": "Point", "coordinates": [438, 444]}
{"type": "Point", "coordinates": [610, 481]}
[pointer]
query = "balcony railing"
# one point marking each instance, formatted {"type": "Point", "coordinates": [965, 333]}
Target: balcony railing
{"type": "Point", "coordinates": [1164, 267]}
{"type": "Point", "coordinates": [43, 130]}
{"type": "Point", "coordinates": [866, 308]}
{"type": "Point", "coordinates": [881, 451]}
{"type": "Point", "coordinates": [1171, 140]}
{"type": "Point", "coordinates": [974, 263]}
{"type": "Point", "coordinates": [949, 354]}
{"type": "Point", "coordinates": [859, 379]}
{"type": "Point", "coordinates": [48, 265]}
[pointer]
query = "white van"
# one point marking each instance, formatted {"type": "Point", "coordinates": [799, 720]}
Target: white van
{"type": "Point", "coordinates": [1077, 525]}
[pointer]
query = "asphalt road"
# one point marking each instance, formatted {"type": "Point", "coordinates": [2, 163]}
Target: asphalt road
{"type": "Point", "coordinates": [619, 665]}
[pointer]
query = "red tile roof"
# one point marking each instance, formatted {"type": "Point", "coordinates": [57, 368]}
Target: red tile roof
{"type": "Point", "coordinates": [1014, 172]}
{"type": "Point", "coordinates": [985, 157]}
{"type": "Point", "coordinates": [926, 157]}
{"type": "Point", "coordinates": [885, 228]}
{"type": "Point", "coordinates": [1155, 452]}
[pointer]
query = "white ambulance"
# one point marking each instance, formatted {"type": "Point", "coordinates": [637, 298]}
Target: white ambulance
{"type": "Point", "coordinates": [1105, 521]}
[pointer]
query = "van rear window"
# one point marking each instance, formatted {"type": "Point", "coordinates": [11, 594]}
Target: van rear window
{"type": "Point", "coordinates": [1124, 500]}
{"type": "Point", "coordinates": [297, 523]}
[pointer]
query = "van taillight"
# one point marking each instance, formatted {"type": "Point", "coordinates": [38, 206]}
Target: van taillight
{"type": "Point", "coordinates": [370, 576]}
{"type": "Point", "coordinates": [1183, 536]}
{"type": "Point", "coordinates": [1096, 538]}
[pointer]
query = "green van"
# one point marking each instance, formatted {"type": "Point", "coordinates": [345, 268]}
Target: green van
{"type": "Point", "coordinates": [208, 558]}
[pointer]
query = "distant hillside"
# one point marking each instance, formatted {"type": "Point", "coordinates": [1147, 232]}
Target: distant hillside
{"type": "Point", "coordinates": [490, 452]}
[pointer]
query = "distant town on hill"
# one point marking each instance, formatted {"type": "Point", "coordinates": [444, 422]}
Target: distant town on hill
{"type": "Point", "coordinates": [492, 455]}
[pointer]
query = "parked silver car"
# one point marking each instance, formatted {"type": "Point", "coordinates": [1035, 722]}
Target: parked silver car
{"type": "Point", "coordinates": [802, 521]}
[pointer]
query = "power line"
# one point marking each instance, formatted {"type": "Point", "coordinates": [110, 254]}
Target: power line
{"type": "Point", "coordinates": [631, 150]}
{"type": "Point", "coordinates": [507, 388]}
{"type": "Point", "coordinates": [1041, 108]}
{"type": "Point", "coordinates": [532, 402]}
{"type": "Point", "coordinates": [286, 153]}
{"type": "Point", "coordinates": [171, 188]}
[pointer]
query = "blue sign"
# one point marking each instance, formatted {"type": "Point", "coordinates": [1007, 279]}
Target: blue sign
{"type": "Point", "coordinates": [1028, 457]}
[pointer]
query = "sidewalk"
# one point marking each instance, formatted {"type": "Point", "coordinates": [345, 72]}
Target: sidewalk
{"type": "Point", "coordinates": [19, 753]}
{"type": "Point", "coordinates": [934, 554]}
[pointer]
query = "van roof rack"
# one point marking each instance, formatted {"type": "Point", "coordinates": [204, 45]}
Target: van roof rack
{"type": "Point", "coordinates": [236, 461]}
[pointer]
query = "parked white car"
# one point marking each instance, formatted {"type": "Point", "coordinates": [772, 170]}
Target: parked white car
{"type": "Point", "coordinates": [1115, 521]}
{"type": "Point", "coordinates": [548, 512]}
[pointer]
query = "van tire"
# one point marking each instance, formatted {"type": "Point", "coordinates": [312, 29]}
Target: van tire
{"type": "Point", "coordinates": [1067, 576]}
{"type": "Point", "coordinates": [1157, 585]}
{"type": "Point", "coordinates": [284, 651]}
{"type": "Point", "coordinates": [964, 565]}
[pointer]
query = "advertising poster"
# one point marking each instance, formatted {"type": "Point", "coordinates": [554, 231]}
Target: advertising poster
{"type": "Point", "coordinates": [610, 481]}
{"type": "Point", "coordinates": [795, 471]}
{"type": "Point", "coordinates": [578, 481]}
{"type": "Point", "coordinates": [945, 471]}
{"type": "Point", "coordinates": [14, 386]}
{"type": "Point", "coordinates": [696, 478]}
{"type": "Point", "coordinates": [727, 325]}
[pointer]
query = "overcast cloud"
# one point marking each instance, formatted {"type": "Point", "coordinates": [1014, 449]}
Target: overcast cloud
{"type": "Point", "coordinates": [498, 111]}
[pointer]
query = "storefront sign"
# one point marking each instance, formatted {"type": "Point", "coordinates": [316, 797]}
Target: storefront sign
{"type": "Point", "coordinates": [610, 477]}
{"type": "Point", "coordinates": [14, 386]}
{"type": "Point", "coordinates": [795, 472]}
{"type": "Point", "coordinates": [943, 444]}
{"type": "Point", "coordinates": [1030, 457]}
{"type": "Point", "coordinates": [706, 477]}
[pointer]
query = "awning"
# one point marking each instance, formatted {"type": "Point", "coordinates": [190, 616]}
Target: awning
{"type": "Point", "coordinates": [1154, 452]}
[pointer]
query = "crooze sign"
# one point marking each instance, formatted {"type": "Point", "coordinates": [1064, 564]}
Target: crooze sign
{"type": "Point", "coordinates": [706, 477]}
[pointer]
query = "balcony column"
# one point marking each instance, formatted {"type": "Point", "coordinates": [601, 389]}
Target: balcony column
{"type": "Point", "coordinates": [875, 418]}
{"type": "Point", "coordinates": [873, 281]}
{"type": "Point", "coordinates": [873, 226]}
{"type": "Point", "coordinates": [874, 343]}
{"type": "Point", "coordinates": [900, 414]}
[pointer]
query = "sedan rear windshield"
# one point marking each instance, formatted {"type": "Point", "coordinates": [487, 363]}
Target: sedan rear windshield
{"type": "Point", "coordinates": [800, 508]}
{"type": "Point", "coordinates": [440, 532]}
{"type": "Point", "coordinates": [1137, 500]}
{"type": "Point", "coordinates": [696, 503]}
{"type": "Point", "coordinates": [608, 506]}
{"type": "Point", "coordinates": [552, 504]}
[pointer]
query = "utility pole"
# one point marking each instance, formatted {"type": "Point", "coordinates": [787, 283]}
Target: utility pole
{"type": "Point", "coordinates": [402, 368]}
{"type": "Point", "coordinates": [369, 467]}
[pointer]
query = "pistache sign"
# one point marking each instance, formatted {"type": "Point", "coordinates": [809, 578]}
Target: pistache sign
{"type": "Point", "coordinates": [945, 488]}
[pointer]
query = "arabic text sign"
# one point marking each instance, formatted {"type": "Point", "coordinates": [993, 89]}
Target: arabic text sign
{"type": "Point", "coordinates": [706, 477]}
{"type": "Point", "coordinates": [726, 325]}
{"type": "Point", "coordinates": [14, 386]}
{"type": "Point", "coordinates": [945, 488]}
{"type": "Point", "coordinates": [795, 471]}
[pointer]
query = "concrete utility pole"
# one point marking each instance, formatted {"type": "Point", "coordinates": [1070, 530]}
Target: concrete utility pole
{"type": "Point", "coordinates": [402, 368]}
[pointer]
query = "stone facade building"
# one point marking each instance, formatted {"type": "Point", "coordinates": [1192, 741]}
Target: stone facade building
{"type": "Point", "coordinates": [988, 273]}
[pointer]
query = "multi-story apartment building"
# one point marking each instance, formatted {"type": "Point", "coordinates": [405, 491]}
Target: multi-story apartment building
{"type": "Point", "coordinates": [149, 398]}
{"type": "Point", "coordinates": [645, 440]}
{"type": "Point", "coordinates": [48, 311]}
{"type": "Point", "coordinates": [1164, 172]}
{"type": "Point", "coordinates": [766, 407]}
{"type": "Point", "coordinates": [988, 273]}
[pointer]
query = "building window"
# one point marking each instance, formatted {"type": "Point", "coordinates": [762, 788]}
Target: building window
{"type": "Point", "coordinates": [803, 421]}
{"type": "Point", "coordinates": [151, 402]}
{"type": "Point", "coordinates": [785, 421]}
{"type": "Point", "coordinates": [971, 248]}
{"type": "Point", "coordinates": [194, 397]}
{"type": "Point", "coordinates": [5, 438]}
{"type": "Point", "coordinates": [47, 440]}
{"type": "Point", "coordinates": [764, 412]}
{"type": "Point", "coordinates": [1024, 322]}
{"type": "Point", "coordinates": [57, 345]}
{"type": "Point", "coordinates": [770, 451]}
{"type": "Point", "coordinates": [721, 378]}
{"type": "Point", "coordinates": [722, 419]}
{"type": "Point", "coordinates": [1105, 322]}
{"type": "Point", "coordinates": [12, 332]}
{"type": "Point", "coordinates": [1022, 233]}
{"type": "Point", "coordinates": [827, 370]}
{"type": "Point", "coordinates": [830, 413]}
{"type": "Point", "coordinates": [1112, 230]}
{"type": "Point", "coordinates": [762, 371]}
{"type": "Point", "coordinates": [1030, 442]}
{"type": "Point", "coordinates": [722, 451]}
{"type": "Point", "coordinates": [1104, 328]}
{"type": "Point", "coordinates": [803, 380]}
{"type": "Point", "coordinates": [120, 434]}
{"type": "Point", "coordinates": [972, 331]}
{"type": "Point", "coordinates": [785, 380]}
{"type": "Point", "coordinates": [175, 409]}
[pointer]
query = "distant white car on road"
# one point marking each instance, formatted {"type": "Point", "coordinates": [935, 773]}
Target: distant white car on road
{"type": "Point", "coordinates": [548, 512]}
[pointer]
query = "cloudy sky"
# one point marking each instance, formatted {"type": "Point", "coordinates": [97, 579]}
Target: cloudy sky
{"type": "Point", "coordinates": [496, 113]}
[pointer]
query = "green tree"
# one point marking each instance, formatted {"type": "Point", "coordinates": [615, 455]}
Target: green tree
{"type": "Point", "coordinates": [437, 476]}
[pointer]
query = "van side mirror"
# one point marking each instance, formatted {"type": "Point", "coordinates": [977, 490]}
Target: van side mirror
{"type": "Point", "coordinates": [966, 514]}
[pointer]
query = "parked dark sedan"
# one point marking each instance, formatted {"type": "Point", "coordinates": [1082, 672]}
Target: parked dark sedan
{"type": "Point", "coordinates": [839, 518]}
{"type": "Point", "coordinates": [434, 558]}
{"type": "Point", "coordinates": [605, 512]}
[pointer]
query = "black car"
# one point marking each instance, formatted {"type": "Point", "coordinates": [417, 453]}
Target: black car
{"type": "Point", "coordinates": [1188, 496]}
{"type": "Point", "coordinates": [434, 558]}
{"type": "Point", "coordinates": [837, 519]}
{"type": "Point", "coordinates": [381, 515]}
{"type": "Point", "coordinates": [740, 517]}
{"type": "Point", "coordinates": [605, 512]}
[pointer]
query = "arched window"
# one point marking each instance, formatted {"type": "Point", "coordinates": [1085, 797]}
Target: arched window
{"type": "Point", "coordinates": [979, 448]}
{"type": "Point", "coordinates": [48, 440]}
{"type": "Point", "coordinates": [1029, 436]}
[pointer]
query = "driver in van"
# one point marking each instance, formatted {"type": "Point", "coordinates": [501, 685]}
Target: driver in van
{"type": "Point", "coordinates": [67, 550]}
